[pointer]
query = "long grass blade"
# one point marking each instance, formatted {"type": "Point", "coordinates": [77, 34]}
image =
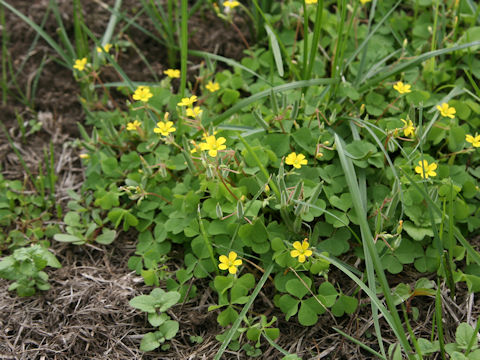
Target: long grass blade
{"type": "Point", "coordinates": [242, 314]}
{"type": "Point", "coordinates": [68, 59]}
{"type": "Point", "coordinates": [414, 62]}
{"type": "Point", "coordinates": [370, 250]}
{"type": "Point", "coordinates": [277, 89]}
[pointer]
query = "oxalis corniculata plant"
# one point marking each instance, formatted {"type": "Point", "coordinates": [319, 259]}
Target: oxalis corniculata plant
{"type": "Point", "coordinates": [349, 127]}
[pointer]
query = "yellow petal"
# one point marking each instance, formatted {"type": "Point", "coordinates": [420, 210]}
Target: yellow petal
{"type": "Point", "coordinates": [294, 253]}
{"type": "Point", "coordinates": [223, 266]}
{"type": "Point", "coordinates": [297, 245]}
{"type": "Point", "coordinates": [301, 258]}
{"type": "Point", "coordinates": [232, 270]}
{"type": "Point", "coordinates": [223, 259]}
{"type": "Point", "coordinates": [232, 255]}
{"type": "Point", "coordinates": [237, 262]}
{"type": "Point", "coordinates": [308, 252]}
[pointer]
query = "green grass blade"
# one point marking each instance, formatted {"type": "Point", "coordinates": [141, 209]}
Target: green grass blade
{"type": "Point", "coordinates": [4, 55]}
{"type": "Point", "coordinates": [369, 36]}
{"type": "Point", "coordinates": [183, 47]}
{"type": "Point", "coordinates": [315, 40]}
{"type": "Point", "coordinates": [264, 171]}
{"type": "Point", "coordinates": [107, 36]}
{"type": "Point", "coordinates": [277, 89]}
{"type": "Point", "coordinates": [414, 62]}
{"type": "Point", "coordinates": [292, 67]}
{"type": "Point", "coordinates": [439, 321]}
{"type": "Point", "coordinates": [68, 59]}
{"type": "Point", "coordinates": [359, 343]}
{"type": "Point", "coordinates": [370, 250]}
{"type": "Point", "coordinates": [458, 234]}
{"type": "Point", "coordinates": [371, 294]}
{"type": "Point", "coordinates": [276, 346]}
{"type": "Point", "coordinates": [111, 60]}
{"type": "Point", "coordinates": [277, 55]}
{"type": "Point", "coordinates": [62, 32]}
{"type": "Point", "coordinates": [242, 314]}
{"type": "Point", "coordinates": [228, 61]}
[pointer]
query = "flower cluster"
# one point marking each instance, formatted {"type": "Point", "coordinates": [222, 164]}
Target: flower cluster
{"type": "Point", "coordinates": [192, 111]}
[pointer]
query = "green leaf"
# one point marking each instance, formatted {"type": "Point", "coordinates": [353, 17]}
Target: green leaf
{"type": "Point", "coordinates": [415, 232]}
{"type": "Point", "coordinates": [145, 303]}
{"type": "Point", "coordinates": [297, 287]}
{"type": "Point", "coordinates": [149, 342]}
{"type": "Point", "coordinates": [169, 329]}
{"type": "Point", "coordinates": [157, 319]}
{"type": "Point", "coordinates": [107, 237]}
{"type": "Point", "coordinates": [230, 96]}
{"type": "Point", "coordinates": [344, 305]}
{"type": "Point", "coordinates": [168, 300]}
{"type": "Point", "coordinates": [68, 238]}
{"type": "Point", "coordinates": [463, 335]}
{"type": "Point", "coordinates": [253, 334]}
{"type": "Point", "coordinates": [288, 305]}
{"type": "Point", "coordinates": [227, 316]}
{"type": "Point", "coordinates": [327, 294]}
{"type": "Point", "coordinates": [307, 316]}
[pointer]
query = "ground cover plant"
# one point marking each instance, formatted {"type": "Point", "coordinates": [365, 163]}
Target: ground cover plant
{"type": "Point", "coordinates": [333, 170]}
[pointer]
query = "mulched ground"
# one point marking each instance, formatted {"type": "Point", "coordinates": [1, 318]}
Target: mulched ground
{"type": "Point", "coordinates": [85, 314]}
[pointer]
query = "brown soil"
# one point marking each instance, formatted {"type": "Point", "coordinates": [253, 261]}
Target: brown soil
{"type": "Point", "coordinates": [85, 314]}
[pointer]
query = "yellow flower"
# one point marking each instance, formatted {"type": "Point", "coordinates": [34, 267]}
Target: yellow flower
{"type": "Point", "coordinates": [427, 170]}
{"type": "Point", "coordinates": [363, 2]}
{"type": "Point", "coordinates": [172, 73]}
{"type": "Point", "coordinates": [474, 140]}
{"type": "Point", "coordinates": [84, 156]}
{"type": "Point", "coordinates": [231, 262]}
{"type": "Point", "coordinates": [447, 111]}
{"type": "Point", "coordinates": [80, 64]}
{"type": "Point", "coordinates": [231, 4]}
{"type": "Point", "coordinates": [194, 112]}
{"type": "Point", "coordinates": [212, 86]}
{"type": "Point", "coordinates": [296, 160]}
{"type": "Point", "coordinates": [106, 48]}
{"type": "Point", "coordinates": [308, 2]}
{"type": "Point", "coordinates": [408, 129]}
{"type": "Point", "coordinates": [188, 101]}
{"type": "Point", "coordinates": [213, 145]}
{"type": "Point", "coordinates": [164, 128]}
{"type": "Point", "coordinates": [133, 126]}
{"type": "Point", "coordinates": [142, 93]}
{"type": "Point", "coordinates": [301, 250]}
{"type": "Point", "coordinates": [402, 88]}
